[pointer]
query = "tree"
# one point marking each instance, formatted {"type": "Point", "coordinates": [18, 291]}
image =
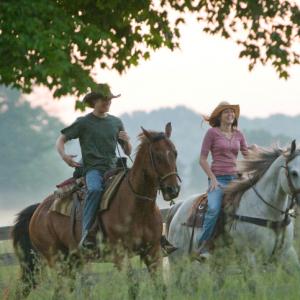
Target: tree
{"type": "Point", "coordinates": [29, 162]}
{"type": "Point", "coordinates": [57, 43]}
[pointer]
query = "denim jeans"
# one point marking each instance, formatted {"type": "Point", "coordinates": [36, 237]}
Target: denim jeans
{"type": "Point", "coordinates": [94, 183]}
{"type": "Point", "coordinates": [215, 198]}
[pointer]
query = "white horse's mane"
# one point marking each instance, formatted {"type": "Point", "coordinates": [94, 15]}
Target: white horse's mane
{"type": "Point", "coordinates": [253, 168]}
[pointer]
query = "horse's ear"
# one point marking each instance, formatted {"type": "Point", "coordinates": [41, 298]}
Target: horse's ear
{"type": "Point", "coordinates": [293, 147]}
{"type": "Point", "coordinates": [168, 129]}
{"type": "Point", "coordinates": [147, 134]}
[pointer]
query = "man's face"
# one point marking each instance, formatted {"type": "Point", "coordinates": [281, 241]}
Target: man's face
{"type": "Point", "coordinates": [102, 105]}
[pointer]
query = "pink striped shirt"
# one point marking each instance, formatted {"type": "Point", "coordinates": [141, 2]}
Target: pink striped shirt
{"type": "Point", "coordinates": [224, 151]}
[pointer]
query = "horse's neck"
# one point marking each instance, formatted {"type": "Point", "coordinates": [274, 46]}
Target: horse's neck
{"type": "Point", "coordinates": [270, 189]}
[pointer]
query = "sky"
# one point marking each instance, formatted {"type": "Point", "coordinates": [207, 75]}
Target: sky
{"type": "Point", "coordinates": [205, 71]}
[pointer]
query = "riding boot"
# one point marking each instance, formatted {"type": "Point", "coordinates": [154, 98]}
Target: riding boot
{"type": "Point", "coordinates": [202, 253]}
{"type": "Point", "coordinates": [89, 238]}
{"type": "Point", "coordinates": [166, 246]}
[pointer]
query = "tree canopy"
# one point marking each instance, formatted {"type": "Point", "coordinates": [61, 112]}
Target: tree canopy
{"type": "Point", "coordinates": [58, 43]}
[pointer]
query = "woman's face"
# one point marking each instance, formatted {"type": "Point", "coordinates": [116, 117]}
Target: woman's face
{"type": "Point", "coordinates": [227, 116]}
{"type": "Point", "coordinates": [102, 106]}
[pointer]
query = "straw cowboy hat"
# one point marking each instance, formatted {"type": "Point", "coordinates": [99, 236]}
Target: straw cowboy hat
{"type": "Point", "coordinates": [217, 111]}
{"type": "Point", "coordinates": [102, 91]}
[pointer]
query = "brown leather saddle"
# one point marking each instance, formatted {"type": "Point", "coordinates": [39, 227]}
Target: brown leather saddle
{"type": "Point", "coordinates": [197, 213]}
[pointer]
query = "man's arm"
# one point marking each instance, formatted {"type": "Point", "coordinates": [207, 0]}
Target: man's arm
{"type": "Point", "coordinates": [60, 146]}
{"type": "Point", "coordinates": [126, 146]}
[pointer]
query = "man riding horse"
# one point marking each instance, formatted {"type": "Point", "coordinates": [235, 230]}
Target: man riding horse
{"type": "Point", "coordinates": [98, 133]}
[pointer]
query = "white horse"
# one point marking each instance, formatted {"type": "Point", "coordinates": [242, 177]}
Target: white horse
{"type": "Point", "coordinates": [259, 220]}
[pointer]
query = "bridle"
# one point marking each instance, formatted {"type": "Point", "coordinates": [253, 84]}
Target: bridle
{"type": "Point", "coordinates": [162, 178]}
{"type": "Point", "coordinates": [294, 191]}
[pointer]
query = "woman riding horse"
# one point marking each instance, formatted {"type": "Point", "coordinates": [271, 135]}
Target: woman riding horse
{"type": "Point", "coordinates": [224, 141]}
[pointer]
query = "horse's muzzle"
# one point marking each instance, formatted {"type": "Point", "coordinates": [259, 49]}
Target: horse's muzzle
{"type": "Point", "coordinates": [170, 192]}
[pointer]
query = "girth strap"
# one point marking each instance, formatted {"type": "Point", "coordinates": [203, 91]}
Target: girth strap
{"type": "Point", "coordinates": [275, 225]}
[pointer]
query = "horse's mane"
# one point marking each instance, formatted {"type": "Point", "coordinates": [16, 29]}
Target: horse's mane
{"type": "Point", "coordinates": [145, 141]}
{"type": "Point", "coordinates": [254, 166]}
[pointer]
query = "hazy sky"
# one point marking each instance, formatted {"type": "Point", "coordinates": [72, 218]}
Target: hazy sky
{"type": "Point", "coordinates": [204, 72]}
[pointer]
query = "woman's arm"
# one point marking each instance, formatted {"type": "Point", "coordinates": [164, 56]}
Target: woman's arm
{"type": "Point", "coordinates": [205, 166]}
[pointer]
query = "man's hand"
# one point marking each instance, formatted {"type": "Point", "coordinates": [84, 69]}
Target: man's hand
{"type": "Point", "coordinates": [70, 161]}
{"type": "Point", "coordinates": [124, 136]}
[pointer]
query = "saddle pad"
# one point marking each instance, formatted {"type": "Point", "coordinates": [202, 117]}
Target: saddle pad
{"type": "Point", "coordinates": [63, 202]}
{"type": "Point", "coordinates": [63, 205]}
{"type": "Point", "coordinates": [111, 188]}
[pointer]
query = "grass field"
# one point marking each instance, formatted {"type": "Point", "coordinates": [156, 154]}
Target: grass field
{"type": "Point", "coordinates": [188, 281]}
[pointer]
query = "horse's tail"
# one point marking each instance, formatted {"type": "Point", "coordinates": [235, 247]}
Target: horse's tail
{"type": "Point", "coordinates": [23, 246]}
{"type": "Point", "coordinates": [171, 214]}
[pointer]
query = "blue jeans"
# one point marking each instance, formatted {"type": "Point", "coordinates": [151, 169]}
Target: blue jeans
{"type": "Point", "coordinates": [94, 183]}
{"type": "Point", "coordinates": [215, 198]}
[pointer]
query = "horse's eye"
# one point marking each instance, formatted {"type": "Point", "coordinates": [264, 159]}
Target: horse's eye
{"type": "Point", "coordinates": [294, 174]}
{"type": "Point", "coordinates": [175, 153]}
{"type": "Point", "coordinates": [160, 157]}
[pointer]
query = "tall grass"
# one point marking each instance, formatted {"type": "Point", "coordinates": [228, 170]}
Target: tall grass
{"type": "Point", "coordinates": [188, 280]}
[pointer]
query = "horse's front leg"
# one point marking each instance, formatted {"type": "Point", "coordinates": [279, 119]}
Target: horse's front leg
{"type": "Point", "coordinates": [153, 261]}
{"type": "Point", "coordinates": [290, 261]}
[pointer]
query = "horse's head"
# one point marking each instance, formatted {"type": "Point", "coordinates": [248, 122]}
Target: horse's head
{"type": "Point", "coordinates": [290, 178]}
{"type": "Point", "coordinates": [162, 156]}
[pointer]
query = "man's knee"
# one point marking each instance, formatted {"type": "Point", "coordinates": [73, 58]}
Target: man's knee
{"type": "Point", "coordinates": [95, 190]}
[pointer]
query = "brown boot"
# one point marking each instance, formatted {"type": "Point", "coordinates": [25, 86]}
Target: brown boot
{"type": "Point", "coordinates": [166, 246]}
{"type": "Point", "coordinates": [89, 239]}
{"type": "Point", "coordinates": [202, 253]}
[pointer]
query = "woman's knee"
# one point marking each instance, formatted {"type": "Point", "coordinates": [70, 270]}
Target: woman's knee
{"type": "Point", "coordinates": [214, 210]}
{"type": "Point", "coordinates": [214, 202]}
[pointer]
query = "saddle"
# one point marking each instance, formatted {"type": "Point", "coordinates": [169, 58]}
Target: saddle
{"type": "Point", "coordinates": [73, 190]}
{"type": "Point", "coordinates": [197, 213]}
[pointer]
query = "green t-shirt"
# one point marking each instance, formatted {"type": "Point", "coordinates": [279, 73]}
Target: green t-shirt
{"type": "Point", "coordinates": [98, 139]}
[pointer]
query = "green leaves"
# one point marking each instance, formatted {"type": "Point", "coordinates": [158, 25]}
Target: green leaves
{"type": "Point", "coordinates": [267, 31]}
{"type": "Point", "coordinates": [64, 40]}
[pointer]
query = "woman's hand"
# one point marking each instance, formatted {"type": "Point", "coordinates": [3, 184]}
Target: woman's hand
{"type": "Point", "coordinates": [253, 147]}
{"type": "Point", "coordinates": [214, 184]}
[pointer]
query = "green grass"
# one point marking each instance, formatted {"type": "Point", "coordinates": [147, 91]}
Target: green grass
{"type": "Point", "coordinates": [188, 281]}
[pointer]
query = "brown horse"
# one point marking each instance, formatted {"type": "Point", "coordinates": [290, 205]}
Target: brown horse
{"type": "Point", "coordinates": [133, 221]}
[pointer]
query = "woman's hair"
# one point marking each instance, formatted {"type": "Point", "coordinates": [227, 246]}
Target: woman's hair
{"type": "Point", "coordinates": [217, 121]}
